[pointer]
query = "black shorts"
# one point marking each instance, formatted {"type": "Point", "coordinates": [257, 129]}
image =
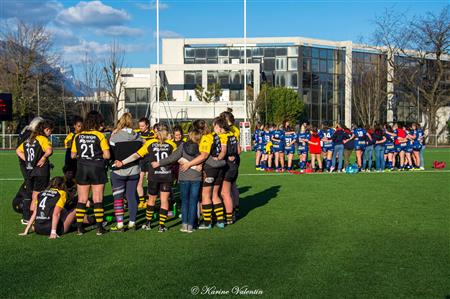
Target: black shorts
{"type": "Point", "coordinates": [45, 228]}
{"type": "Point", "coordinates": [231, 171]}
{"type": "Point", "coordinates": [155, 187]}
{"type": "Point", "coordinates": [91, 175]}
{"type": "Point", "coordinates": [144, 164]}
{"type": "Point", "coordinates": [212, 177]}
{"type": "Point", "coordinates": [37, 183]}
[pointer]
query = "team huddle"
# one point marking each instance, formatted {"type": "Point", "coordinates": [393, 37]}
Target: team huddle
{"type": "Point", "coordinates": [204, 166]}
{"type": "Point", "coordinates": [396, 147]}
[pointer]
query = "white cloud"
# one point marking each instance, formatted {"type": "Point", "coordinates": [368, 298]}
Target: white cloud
{"type": "Point", "coordinates": [30, 11]}
{"type": "Point", "coordinates": [152, 5]}
{"type": "Point", "coordinates": [167, 34]}
{"type": "Point", "coordinates": [92, 14]}
{"type": "Point", "coordinates": [63, 36]}
{"type": "Point", "coordinates": [120, 31]}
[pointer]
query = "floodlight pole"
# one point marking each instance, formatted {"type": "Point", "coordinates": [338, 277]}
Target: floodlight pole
{"type": "Point", "coordinates": [245, 59]}
{"type": "Point", "coordinates": [157, 62]}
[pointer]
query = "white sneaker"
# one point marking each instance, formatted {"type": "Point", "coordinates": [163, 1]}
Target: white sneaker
{"type": "Point", "coordinates": [422, 168]}
{"type": "Point", "coordinates": [24, 222]}
{"type": "Point", "coordinates": [184, 228]}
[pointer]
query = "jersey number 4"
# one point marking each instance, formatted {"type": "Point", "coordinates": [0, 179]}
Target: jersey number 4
{"type": "Point", "coordinates": [42, 203]}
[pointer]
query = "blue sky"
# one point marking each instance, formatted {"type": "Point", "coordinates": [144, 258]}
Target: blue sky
{"type": "Point", "coordinates": [89, 26]}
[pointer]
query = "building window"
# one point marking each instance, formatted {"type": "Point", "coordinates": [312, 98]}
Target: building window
{"type": "Point", "coordinates": [224, 79]}
{"type": "Point", "coordinates": [235, 95]}
{"type": "Point", "coordinates": [323, 66]}
{"type": "Point", "coordinates": [211, 53]}
{"type": "Point", "coordinates": [192, 79]}
{"type": "Point", "coordinates": [281, 51]}
{"type": "Point", "coordinates": [280, 79]}
{"type": "Point", "coordinates": [306, 64]}
{"type": "Point", "coordinates": [130, 95]}
{"type": "Point", "coordinates": [315, 65]}
{"type": "Point", "coordinates": [315, 53]}
{"type": "Point", "coordinates": [306, 51]}
{"type": "Point", "coordinates": [281, 63]}
{"type": "Point", "coordinates": [189, 53]}
{"type": "Point", "coordinates": [292, 79]}
{"type": "Point", "coordinates": [259, 52]}
{"type": "Point", "coordinates": [211, 61]}
{"type": "Point", "coordinates": [212, 77]}
{"type": "Point", "coordinates": [330, 66]}
{"type": "Point", "coordinates": [293, 64]}
{"type": "Point", "coordinates": [223, 60]}
{"type": "Point", "coordinates": [234, 53]}
{"type": "Point", "coordinates": [292, 51]}
{"type": "Point", "coordinates": [200, 53]}
{"type": "Point", "coordinates": [223, 52]}
{"type": "Point", "coordinates": [269, 64]}
{"type": "Point", "coordinates": [269, 52]}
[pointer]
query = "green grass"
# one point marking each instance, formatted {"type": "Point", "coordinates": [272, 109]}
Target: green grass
{"type": "Point", "coordinates": [325, 235]}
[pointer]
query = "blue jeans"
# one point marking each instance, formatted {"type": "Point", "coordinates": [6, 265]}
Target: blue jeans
{"type": "Point", "coordinates": [368, 152]}
{"type": "Point", "coordinates": [189, 191]}
{"type": "Point", "coordinates": [338, 150]}
{"type": "Point", "coordinates": [379, 157]}
{"type": "Point", "coordinates": [422, 162]}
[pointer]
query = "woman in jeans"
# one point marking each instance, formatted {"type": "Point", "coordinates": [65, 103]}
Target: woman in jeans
{"type": "Point", "coordinates": [124, 180]}
{"type": "Point", "coordinates": [349, 146]}
{"type": "Point", "coordinates": [379, 139]}
{"type": "Point", "coordinates": [338, 141]}
{"type": "Point", "coordinates": [368, 151]}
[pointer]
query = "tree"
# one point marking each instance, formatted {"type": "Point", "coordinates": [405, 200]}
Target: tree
{"type": "Point", "coordinates": [283, 104]}
{"type": "Point", "coordinates": [212, 94]}
{"type": "Point", "coordinates": [112, 70]}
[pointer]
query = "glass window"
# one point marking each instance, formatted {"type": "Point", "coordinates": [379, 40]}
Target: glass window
{"type": "Point", "coordinates": [306, 64]}
{"type": "Point", "coordinates": [257, 52]}
{"type": "Point", "coordinates": [323, 53]}
{"type": "Point", "coordinates": [323, 66]}
{"type": "Point", "coordinates": [330, 66]}
{"type": "Point", "coordinates": [314, 112]}
{"type": "Point", "coordinates": [280, 79]}
{"type": "Point", "coordinates": [256, 60]}
{"type": "Point", "coordinates": [141, 95]}
{"type": "Point", "coordinates": [292, 51]}
{"type": "Point", "coordinates": [292, 79]}
{"type": "Point", "coordinates": [189, 61]}
{"type": "Point", "coordinates": [293, 64]}
{"type": "Point", "coordinates": [212, 52]}
{"type": "Point", "coordinates": [224, 79]}
{"type": "Point", "coordinates": [315, 65]}
{"type": "Point", "coordinates": [235, 95]}
{"type": "Point", "coordinates": [223, 60]}
{"type": "Point", "coordinates": [315, 97]}
{"type": "Point", "coordinates": [141, 111]}
{"type": "Point", "coordinates": [200, 60]}
{"type": "Point", "coordinates": [189, 77]}
{"type": "Point", "coordinates": [212, 77]}
{"type": "Point", "coordinates": [198, 77]}
{"type": "Point", "coordinates": [223, 52]}
{"type": "Point", "coordinates": [330, 53]}
{"type": "Point", "coordinates": [189, 52]}
{"type": "Point", "coordinates": [306, 51]}
{"type": "Point", "coordinates": [281, 64]}
{"type": "Point", "coordinates": [315, 80]}
{"type": "Point", "coordinates": [211, 60]}
{"type": "Point", "coordinates": [269, 64]}
{"type": "Point", "coordinates": [200, 53]}
{"type": "Point", "coordinates": [234, 77]}
{"type": "Point", "coordinates": [234, 53]}
{"type": "Point", "coordinates": [307, 96]}
{"type": "Point", "coordinates": [130, 95]}
{"type": "Point", "coordinates": [306, 80]}
{"type": "Point", "coordinates": [269, 52]}
{"type": "Point", "coordinates": [281, 51]}
{"type": "Point", "coordinates": [315, 52]}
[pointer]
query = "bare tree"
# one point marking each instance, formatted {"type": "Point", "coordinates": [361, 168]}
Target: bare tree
{"type": "Point", "coordinates": [90, 83]}
{"type": "Point", "coordinates": [113, 67]}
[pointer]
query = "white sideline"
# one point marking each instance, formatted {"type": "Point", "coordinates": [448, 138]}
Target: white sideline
{"type": "Point", "coordinates": [314, 173]}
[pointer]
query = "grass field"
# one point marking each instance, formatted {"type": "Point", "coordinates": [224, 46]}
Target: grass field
{"type": "Point", "coordinates": [317, 235]}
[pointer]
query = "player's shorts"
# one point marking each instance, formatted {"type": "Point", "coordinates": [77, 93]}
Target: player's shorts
{"type": "Point", "coordinates": [279, 149]}
{"type": "Point", "coordinates": [212, 177]}
{"type": "Point", "coordinates": [91, 175]}
{"type": "Point", "coordinates": [289, 151]}
{"type": "Point", "coordinates": [302, 150]}
{"type": "Point", "coordinates": [231, 171]}
{"type": "Point", "coordinates": [144, 164]}
{"type": "Point", "coordinates": [409, 149]}
{"type": "Point", "coordinates": [327, 149]}
{"type": "Point", "coordinates": [37, 183]}
{"type": "Point", "coordinates": [155, 187]}
{"type": "Point", "coordinates": [389, 149]}
{"type": "Point", "coordinates": [45, 228]}
{"type": "Point", "coordinates": [401, 147]}
{"type": "Point", "coordinates": [360, 145]}
{"type": "Point", "coordinates": [417, 147]}
{"type": "Point", "coordinates": [255, 147]}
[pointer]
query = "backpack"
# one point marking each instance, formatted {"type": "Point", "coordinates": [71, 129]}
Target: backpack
{"type": "Point", "coordinates": [438, 164]}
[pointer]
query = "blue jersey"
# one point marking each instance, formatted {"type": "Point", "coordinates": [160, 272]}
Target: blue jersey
{"type": "Point", "coordinates": [266, 137]}
{"type": "Point", "coordinates": [303, 146]}
{"type": "Point", "coordinates": [328, 133]}
{"type": "Point", "coordinates": [419, 136]}
{"type": "Point", "coordinates": [360, 135]}
{"type": "Point", "coordinates": [288, 138]}
{"type": "Point", "coordinates": [277, 139]}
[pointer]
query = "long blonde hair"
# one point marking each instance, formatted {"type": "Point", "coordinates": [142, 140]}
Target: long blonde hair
{"type": "Point", "coordinates": [162, 133]}
{"type": "Point", "coordinates": [125, 121]}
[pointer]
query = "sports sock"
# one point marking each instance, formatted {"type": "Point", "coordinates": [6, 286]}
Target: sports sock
{"type": "Point", "coordinates": [206, 210]}
{"type": "Point", "coordinates": [229, 216]}
{"type": "Point", "coordinates": [80, 211]}
{"type": "Point", "coordinates": [218, 211]}
{"type": "Point", "coordinates": [119, 211]}
{"type": "Point", "coordinates": [162, 217]}
{"type": "Point", "coordinates": [98, 213]}
{"type": "Point", "coordinates": [149, 212]}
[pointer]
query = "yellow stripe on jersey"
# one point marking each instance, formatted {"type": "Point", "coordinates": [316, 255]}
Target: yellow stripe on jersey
{"type": "Point", "coordinates": [224, 138]}
{"type": "Point", "coordinates": [236, 132]}
{"type": "Point", "coordinates": [42, 140]}
{"type": "Point", "coordinates": [68, 140]}
{"type": "Point", "coordinates": [104, 145]}
{"type": "Point", "coordinates": [206, 143]}
{"type": "Point", "coordinates": [173, 144]}
{"type": "Point", "coordinates": [62, 198]}
{"type": "Point", "coordinates": [143, 151]}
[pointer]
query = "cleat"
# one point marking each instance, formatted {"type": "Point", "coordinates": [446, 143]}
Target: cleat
{"type": "Point", "coordinates": [101, 231]}
{"type": "Point", "coordinates": [203, 226]}
{"type": "Point", "coordinates": [230, 222]}
{"type": "Point", "coordinates": [220, 225]}
{"type": "Point", "coordinates": [162, 229]}
{"type": "Point", "coordinates": [147, 226]}
{"type": "Point", "coordinates": [116, 229]}
{"type": "Point", "coordinates": [81, 231]}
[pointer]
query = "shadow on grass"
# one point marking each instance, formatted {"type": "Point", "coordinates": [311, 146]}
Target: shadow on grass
{"type": "Point", "coordinates": [254, 201]}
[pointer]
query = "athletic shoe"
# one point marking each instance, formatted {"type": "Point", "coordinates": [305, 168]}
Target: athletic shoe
{"type": "Point", "coordinates": [162, 229]}
{"type": "Point", "coordinates": [116, 229]}
{"type": "Point", "coordinates": [81, 231]}
{"type": "Point", "coordinates": [132, 226]}
{"type": "Point", "coordinates": [190, 229]}
{"type": "Point", "coordinates": [147, 226]}
{"type": "Point", "coordinates": [24, 222]}
{"type": "Point", "coordinates": [183, 228]}
{"type": "Point", "coordinates": [331, 168]}
{"type": "Point", "coordinates": [100, 231]}
{"type": "Point", "coordinates": [230, 222]}
{"type": "Point", "coordinates": [220, 225]}
{"type": "Point", "coordinates": [422, 168]}
{"type": "Point", "coordinates": [203, 226]}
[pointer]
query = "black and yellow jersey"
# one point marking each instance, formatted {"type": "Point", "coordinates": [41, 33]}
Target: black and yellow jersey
{"type": "Point", "coordinates": [157, 151]}
{"type": "Point", "coordinates": [89, 147]}
{"type": "Point", "coordinates": [46, 203]}
{"type": "Point", "coordinates": [212, 143]}
{"type": "Point", "coordinates": [232, 145]}
{"type": "Point", "coordinates": [236, 132]}
{"type": "Point", "coordinates": [145, 135]}
{"type": "Point", "coordinates": [33, 152]}
{"type": "Point", "coordinates": [68, 140]}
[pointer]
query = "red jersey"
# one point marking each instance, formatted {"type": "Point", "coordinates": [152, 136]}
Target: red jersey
{"type": "Point", "coordinates": [315, 148]}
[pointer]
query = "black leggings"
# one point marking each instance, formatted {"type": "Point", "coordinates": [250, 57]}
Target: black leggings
{"type": "Point", "coordinates": [125, 187]}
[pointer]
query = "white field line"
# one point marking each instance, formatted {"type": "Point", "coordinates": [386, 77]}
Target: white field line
{"type": "Point", "coordinates": [314, 173]}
